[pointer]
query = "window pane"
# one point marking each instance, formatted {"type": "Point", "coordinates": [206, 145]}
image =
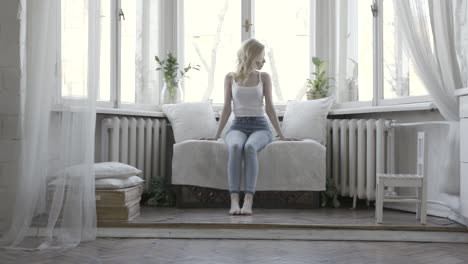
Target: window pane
{"type": "Point", "coordinates": [127, 51]}
{"type": "Point", "coordinates": [365, 55]}
{"type": "Point", "coordinates": [400, 79]}
{"type": "Point", "coordinates": [211, 39]}
{"type": "Point", "coordinates": [283, 26]}
{"type": "Point", "coordinates": [139, 45]}
{"type": "Point", "coordinates": [355, 70]}
{"type": "Point", "coordinates": [74, 30]}
{"type": "Point", "coordinates": [105, 63]}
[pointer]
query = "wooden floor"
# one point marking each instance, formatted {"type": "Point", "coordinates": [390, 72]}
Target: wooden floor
{"type": "Point", "coordinates": [342, 224]}
{"type": "Point", "coordinates": [273, 250]}
{"type": "Point", "coordinates": [141, 251]}
{"type": "Point", "coordinates": [323, 216]}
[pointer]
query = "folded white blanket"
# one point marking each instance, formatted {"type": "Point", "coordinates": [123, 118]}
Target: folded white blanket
{"type": "Point", "coordinates": [283, 165]}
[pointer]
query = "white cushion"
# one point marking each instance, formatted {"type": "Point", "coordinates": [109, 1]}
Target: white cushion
{"type": "Point", "coordinates": [191, 120]}
{"type": "Point", "coordinates": [117, 183]}
{"type": "Point", "coordinates": [114, 170]}
{"type": "Point", "coordinates": [307, 119]}
{"type": "Point", "coordinates": [283, 165]}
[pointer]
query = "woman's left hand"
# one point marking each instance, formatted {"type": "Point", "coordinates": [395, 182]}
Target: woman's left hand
{"type": "Point", "coordinates": [208, 138]}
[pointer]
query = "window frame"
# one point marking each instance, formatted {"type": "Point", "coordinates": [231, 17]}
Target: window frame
{"type": "Point", "coordinates": [247, 12]}
{"type": "Point", "coordinates": [171, 39]}
{"type": "Point", "coordinates": [114, 63]}
{"type": "Point", "coordinates": [378, 89]}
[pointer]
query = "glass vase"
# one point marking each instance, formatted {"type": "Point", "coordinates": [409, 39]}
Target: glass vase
{"type": "Point", "coordinates": [171, 93]}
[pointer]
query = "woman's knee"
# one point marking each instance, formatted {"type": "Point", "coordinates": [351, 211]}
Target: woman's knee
{"type": "Point", "coordinates": [250, 149]}
{"type": "Point", "coordinates": [235, 148]}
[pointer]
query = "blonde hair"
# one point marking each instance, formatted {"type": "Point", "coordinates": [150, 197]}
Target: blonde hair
{"type": "Point", "coordinates": [246, 55]}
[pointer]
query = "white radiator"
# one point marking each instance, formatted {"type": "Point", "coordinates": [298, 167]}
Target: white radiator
{"type": "Point", "coordinates": [140, 142]}
{"type": "Point", "coordinates": [357, 149]}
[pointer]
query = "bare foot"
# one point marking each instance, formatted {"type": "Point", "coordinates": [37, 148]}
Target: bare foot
{"type": "Point", "coordinates": [235, 209]}
{"type": "Point", "coordinates": [247, 206]}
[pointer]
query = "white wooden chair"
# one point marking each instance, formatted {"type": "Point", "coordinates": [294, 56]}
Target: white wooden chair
{"type": "Point", "coordinates": [417, 180]}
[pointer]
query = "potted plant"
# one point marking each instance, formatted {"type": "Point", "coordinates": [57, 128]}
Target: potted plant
{"type": "Point", "coordinates": [172, 90]}
{"type": "Point", "coordinates": [319, 87]}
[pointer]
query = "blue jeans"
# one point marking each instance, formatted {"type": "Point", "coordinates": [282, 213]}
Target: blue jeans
{"type": "Point", "coordinates": [246, 137]}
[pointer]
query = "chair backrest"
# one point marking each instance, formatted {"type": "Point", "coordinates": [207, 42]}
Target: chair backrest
{"type": "Point", "coordinates": [421, 154]}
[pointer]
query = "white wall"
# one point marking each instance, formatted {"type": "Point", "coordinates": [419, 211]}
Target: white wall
{"type": "Point", "coordinates": [9, 103]}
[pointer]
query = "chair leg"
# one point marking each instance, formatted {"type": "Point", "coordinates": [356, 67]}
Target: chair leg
{"type": "Point", "coordinates": [377, 203]}
{"type": "Point", "coordinates": [423, 203]}
{"type": "Point", "coordinates": [418, 204]}
{"type": "Point", "coordinates": [380, 198]}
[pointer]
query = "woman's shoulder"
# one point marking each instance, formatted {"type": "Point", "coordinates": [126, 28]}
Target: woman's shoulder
{"type": "Point", "coordinates": [265, 76]}
{"type": "Point", "coordinates": [229, 76]}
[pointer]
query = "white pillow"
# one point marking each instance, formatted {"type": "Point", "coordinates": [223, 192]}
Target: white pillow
{"type": "Point", "coordinates": [191, 120]}
{"type": "Point", "coordinates": [107, 183]}
{"type": "Point", "coordinates": [114, 170]}
{"type": "Point", "coordinates": [118, 183]}
{"type": "Point", "coordinates": [307, 119]}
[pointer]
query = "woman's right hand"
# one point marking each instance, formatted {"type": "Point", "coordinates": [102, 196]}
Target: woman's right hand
{"type": "Point", "coordinates": [290, 139]}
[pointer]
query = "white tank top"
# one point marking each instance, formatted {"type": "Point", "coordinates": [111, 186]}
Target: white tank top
{"type": "Point", "coordinates": [248, 100]}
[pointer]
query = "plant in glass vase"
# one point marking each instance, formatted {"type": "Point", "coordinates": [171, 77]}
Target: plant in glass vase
{"type": "Point", "coordinates": [172, 91]}
{"type": "Point", "coordinates": [319, 87]}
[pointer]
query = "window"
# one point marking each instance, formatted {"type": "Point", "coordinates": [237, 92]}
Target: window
{"type": "Point", "coordinates": [211, 39]}
{"type": "Point", "coordinates": [355, 57]}
{"type": "Point", "coordinates": [284, 28]}
{"type": "Point", "coordinates": [212, 36]}
{"type": "Point", "coordinates": [74, 36]}
{"type": "Point", "coordinates": [128, 43]}
{"type": "Point", "coordinates": [400, 79]}
{"type": "Point", "coordinates": [105, 52]}
{"type": "Point", "coordinates": [365, 56]}
{"type": "Point", "coordinates": [365, 44]}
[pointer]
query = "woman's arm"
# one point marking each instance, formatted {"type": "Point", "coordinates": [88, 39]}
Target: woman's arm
{"type": "Point", "coordinates": [227, 105]}
{"type": "Point", "coordinates": [269, 108]}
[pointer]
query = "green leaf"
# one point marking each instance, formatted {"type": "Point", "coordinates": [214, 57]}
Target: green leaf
{"type": "Point", "coordinates": [322, 67]}
{"type": "Point", "coordinates": [170, 68]}
{"type": "Point", "coordinates": [316, 61]}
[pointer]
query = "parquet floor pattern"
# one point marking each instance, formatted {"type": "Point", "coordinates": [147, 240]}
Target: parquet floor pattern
{"type": "Point", "coordinates": [126, 251]}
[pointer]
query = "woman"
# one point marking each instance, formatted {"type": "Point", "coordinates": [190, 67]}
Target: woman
{"type": "Point", "coordinates": [249, 133]}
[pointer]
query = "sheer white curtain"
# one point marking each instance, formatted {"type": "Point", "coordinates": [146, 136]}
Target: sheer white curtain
{"type": "Point", "coordinates": [55, 201]}
{"type": "Point", "coordinates": [436, 62]}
